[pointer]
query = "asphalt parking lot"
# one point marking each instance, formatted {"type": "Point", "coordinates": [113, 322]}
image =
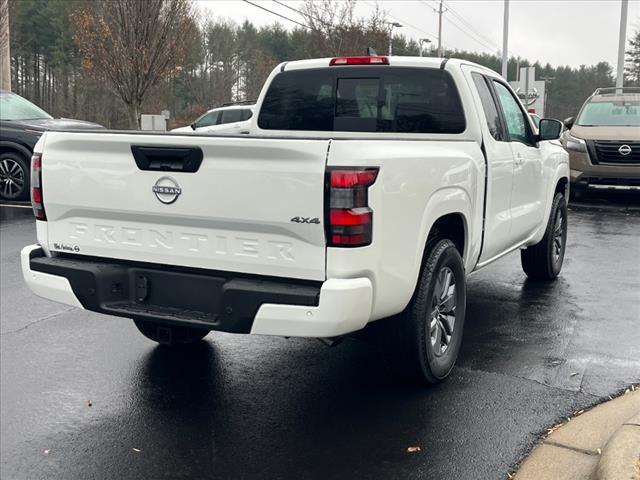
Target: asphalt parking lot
{"type": "Point", "coordinates": [86, 396]}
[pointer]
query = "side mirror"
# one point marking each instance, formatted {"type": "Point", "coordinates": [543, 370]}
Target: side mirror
{"type": "Point", "coordinates": [193, 126]}
{"type": "Point", "coordinates": [550, 129]}
{"type": "Point", "coordinates": [568, 122]}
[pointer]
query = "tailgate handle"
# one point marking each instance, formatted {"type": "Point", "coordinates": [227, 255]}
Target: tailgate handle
{"type": "Point", "coordinates": [167, 159]}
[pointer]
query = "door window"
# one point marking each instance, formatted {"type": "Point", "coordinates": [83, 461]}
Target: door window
{"type": "Point", "coordinates": [207, 120]}
{"type": "Point", "coordinates": [517, 123]}
{"type": "Point", "coordinates": [490, 108]}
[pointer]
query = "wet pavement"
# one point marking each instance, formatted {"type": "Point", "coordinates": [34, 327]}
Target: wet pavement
{"type": "Point", "coordinates": [248, 407]}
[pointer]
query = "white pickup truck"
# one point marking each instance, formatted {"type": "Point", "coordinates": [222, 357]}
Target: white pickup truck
{"type": "Point", "coordinates": [368, 188]}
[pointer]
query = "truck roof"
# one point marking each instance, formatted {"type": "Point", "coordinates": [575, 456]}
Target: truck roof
{"type": "Point", "coordinates": [394, 61]}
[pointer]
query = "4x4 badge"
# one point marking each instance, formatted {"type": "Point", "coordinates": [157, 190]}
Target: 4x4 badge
{"type": "Point", "coordinates": [624, 150]}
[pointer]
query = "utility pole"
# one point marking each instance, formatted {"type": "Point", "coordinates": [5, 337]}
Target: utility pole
{"type": "Point", "coordinates": [505, 40]}
{"type": "Point", "coordinates": [440, 12]}
{"type": "Point", "coordinates": [547, 81]}
{"type": "Point", "coordinates": [5, 54]}
{"type": "Point", "coordinates": [621, 43]}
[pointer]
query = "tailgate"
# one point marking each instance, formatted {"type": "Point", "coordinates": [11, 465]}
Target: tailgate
{"type": "Point", "coordinates": [233, 214]}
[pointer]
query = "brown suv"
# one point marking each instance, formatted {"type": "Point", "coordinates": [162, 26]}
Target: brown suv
{"type": "Point", "coordinates": [604, 141]}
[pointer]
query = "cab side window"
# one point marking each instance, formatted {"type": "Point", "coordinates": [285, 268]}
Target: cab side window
{"type": "Point", "coordinates": [517, 124]}
{"type": "Point", "coordinates": [231, 116]}
{"type": "Point", "coordinates": [490, 108]}
{"type": "Point", "coordinates": [246, 114]}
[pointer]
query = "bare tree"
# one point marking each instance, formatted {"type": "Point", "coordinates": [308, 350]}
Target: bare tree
{"type": "Point", "coordinates": [134, 45]}
{"type": "Point", "coordinates": [338, 31]}
{"type": "Point", "coordinates": [5, 55]}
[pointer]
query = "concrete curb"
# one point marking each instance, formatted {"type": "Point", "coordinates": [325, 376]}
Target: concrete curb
{"type": "Point", "coordinates": [600, 444]}
{"type": "Point", "coordinates": [621, 455]}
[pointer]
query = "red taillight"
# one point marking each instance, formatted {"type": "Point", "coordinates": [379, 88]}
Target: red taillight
{"type": "Point", "coordinates": [36, 187]}
{"type": "Point", "coordinates": [358, 61]}
{"type": "Point", "coordinates": [350, 220]}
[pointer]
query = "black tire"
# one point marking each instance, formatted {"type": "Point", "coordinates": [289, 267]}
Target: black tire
{"type": "Point", "coordinates": [14, 177]}
{"type": "Point", "coordinates": [170, 334]}
{"type": "Point", "coordinates": [543, 261]}
{"type": "Point", "coordinates": [418, 357]}
{"type": "Point", "coordinates": [576, 193]}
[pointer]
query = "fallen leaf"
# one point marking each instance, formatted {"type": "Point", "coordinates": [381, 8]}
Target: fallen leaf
{"type": "Point", "coordinates": [137, 450]}
{"type": "Point", "coordinates": [46, 452]}
{"type": "Point", "coordinates": [554, 428]}
{"type": "Point", "coordinates": [413, 449]}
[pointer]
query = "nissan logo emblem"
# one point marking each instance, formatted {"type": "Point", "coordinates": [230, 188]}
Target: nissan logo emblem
{"type": "Point", "coordinates": [624, 150]}
{"type": "Point", "coordinates": [166, 190]}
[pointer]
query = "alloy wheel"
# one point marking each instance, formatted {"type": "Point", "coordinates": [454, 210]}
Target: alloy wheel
{"type": "Point", "coordinates": [12, 178]}
{"type": "Point", "coordinates": [443, 312]}
{"type": "Point", "coordinates": [558, 236]}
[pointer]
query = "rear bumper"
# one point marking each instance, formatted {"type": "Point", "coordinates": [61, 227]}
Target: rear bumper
{"type": "Point", "coordinates": [210, 300]}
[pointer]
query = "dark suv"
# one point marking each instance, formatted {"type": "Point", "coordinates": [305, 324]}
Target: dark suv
{"type": "Point", "coordinates": [21, 125]}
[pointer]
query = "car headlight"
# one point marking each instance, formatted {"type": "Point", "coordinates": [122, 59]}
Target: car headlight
{"type": "Point", "coordinates": [575, 144]}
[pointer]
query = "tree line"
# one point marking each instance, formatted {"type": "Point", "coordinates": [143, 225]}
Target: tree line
{"type": "Point", "coordinates": [107, 61]}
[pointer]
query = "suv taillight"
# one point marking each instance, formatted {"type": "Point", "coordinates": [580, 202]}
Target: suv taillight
{"type": "Point", "coordinates": [350, 220]}
{"type": "Point", "coordinates": [36, 187]}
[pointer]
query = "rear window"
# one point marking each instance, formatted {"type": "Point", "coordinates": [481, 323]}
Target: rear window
{"type": "Point", "coordinates": [363, 99]}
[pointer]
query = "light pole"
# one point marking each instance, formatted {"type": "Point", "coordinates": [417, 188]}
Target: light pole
{"type": "Point", "coordinates": [505, 40]}
{"type": "Point", "coordinates": [624, 5]}
{"type": "Point", "coordinates": [423, 40]}
{"type": "Point", "coordinates": [391, 26]}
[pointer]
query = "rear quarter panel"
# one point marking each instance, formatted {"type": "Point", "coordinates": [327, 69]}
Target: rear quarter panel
{"type": "Point", "coordinates": [418, 182]}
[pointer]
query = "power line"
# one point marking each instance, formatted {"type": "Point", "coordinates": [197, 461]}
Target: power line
{"type": "Point", "coordinates": [303, 13]}
{"type": "Point", "coordinates": [405, 22]}
{"type": "Point", "coordinates": [480, 42]}
{"type": "Point", "coordinates": [476, 37]}
{"type": "Point", "coordinates": [275, 13]}
{"type": "Point", "coordinates": [470, 27]}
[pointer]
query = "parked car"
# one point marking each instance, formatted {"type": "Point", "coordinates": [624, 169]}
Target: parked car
{"type": "Point", "coordinates": [21, 125]}
{"type": "Point", "coordinates": [226, 119]}
{"type": "Point", "coordinates": [371, 187]}
{"type": "Point", "coordinates": [604, 141]}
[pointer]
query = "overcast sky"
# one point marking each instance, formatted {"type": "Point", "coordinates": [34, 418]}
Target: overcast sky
{"type": "Point", "coordinates": [561, 32]}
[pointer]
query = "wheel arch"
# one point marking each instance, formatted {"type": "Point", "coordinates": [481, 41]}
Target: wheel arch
{"type": "Point", "coordinates": [13, 147]}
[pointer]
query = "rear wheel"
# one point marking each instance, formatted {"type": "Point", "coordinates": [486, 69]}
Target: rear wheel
{"type": "Point", "coordinates": [543, 261]}
{"type": "Point", "coordinates": [169, 334]}
{"type": "Point", "coordinates": [14, 177]}
{"type": "Point", "coordinates": [430, 329]}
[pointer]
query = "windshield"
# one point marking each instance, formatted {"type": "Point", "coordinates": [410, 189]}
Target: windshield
{"type": "Point", "coordinates": [622, 113]}
{"type": "Point", "coordinates": [14, 107]}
